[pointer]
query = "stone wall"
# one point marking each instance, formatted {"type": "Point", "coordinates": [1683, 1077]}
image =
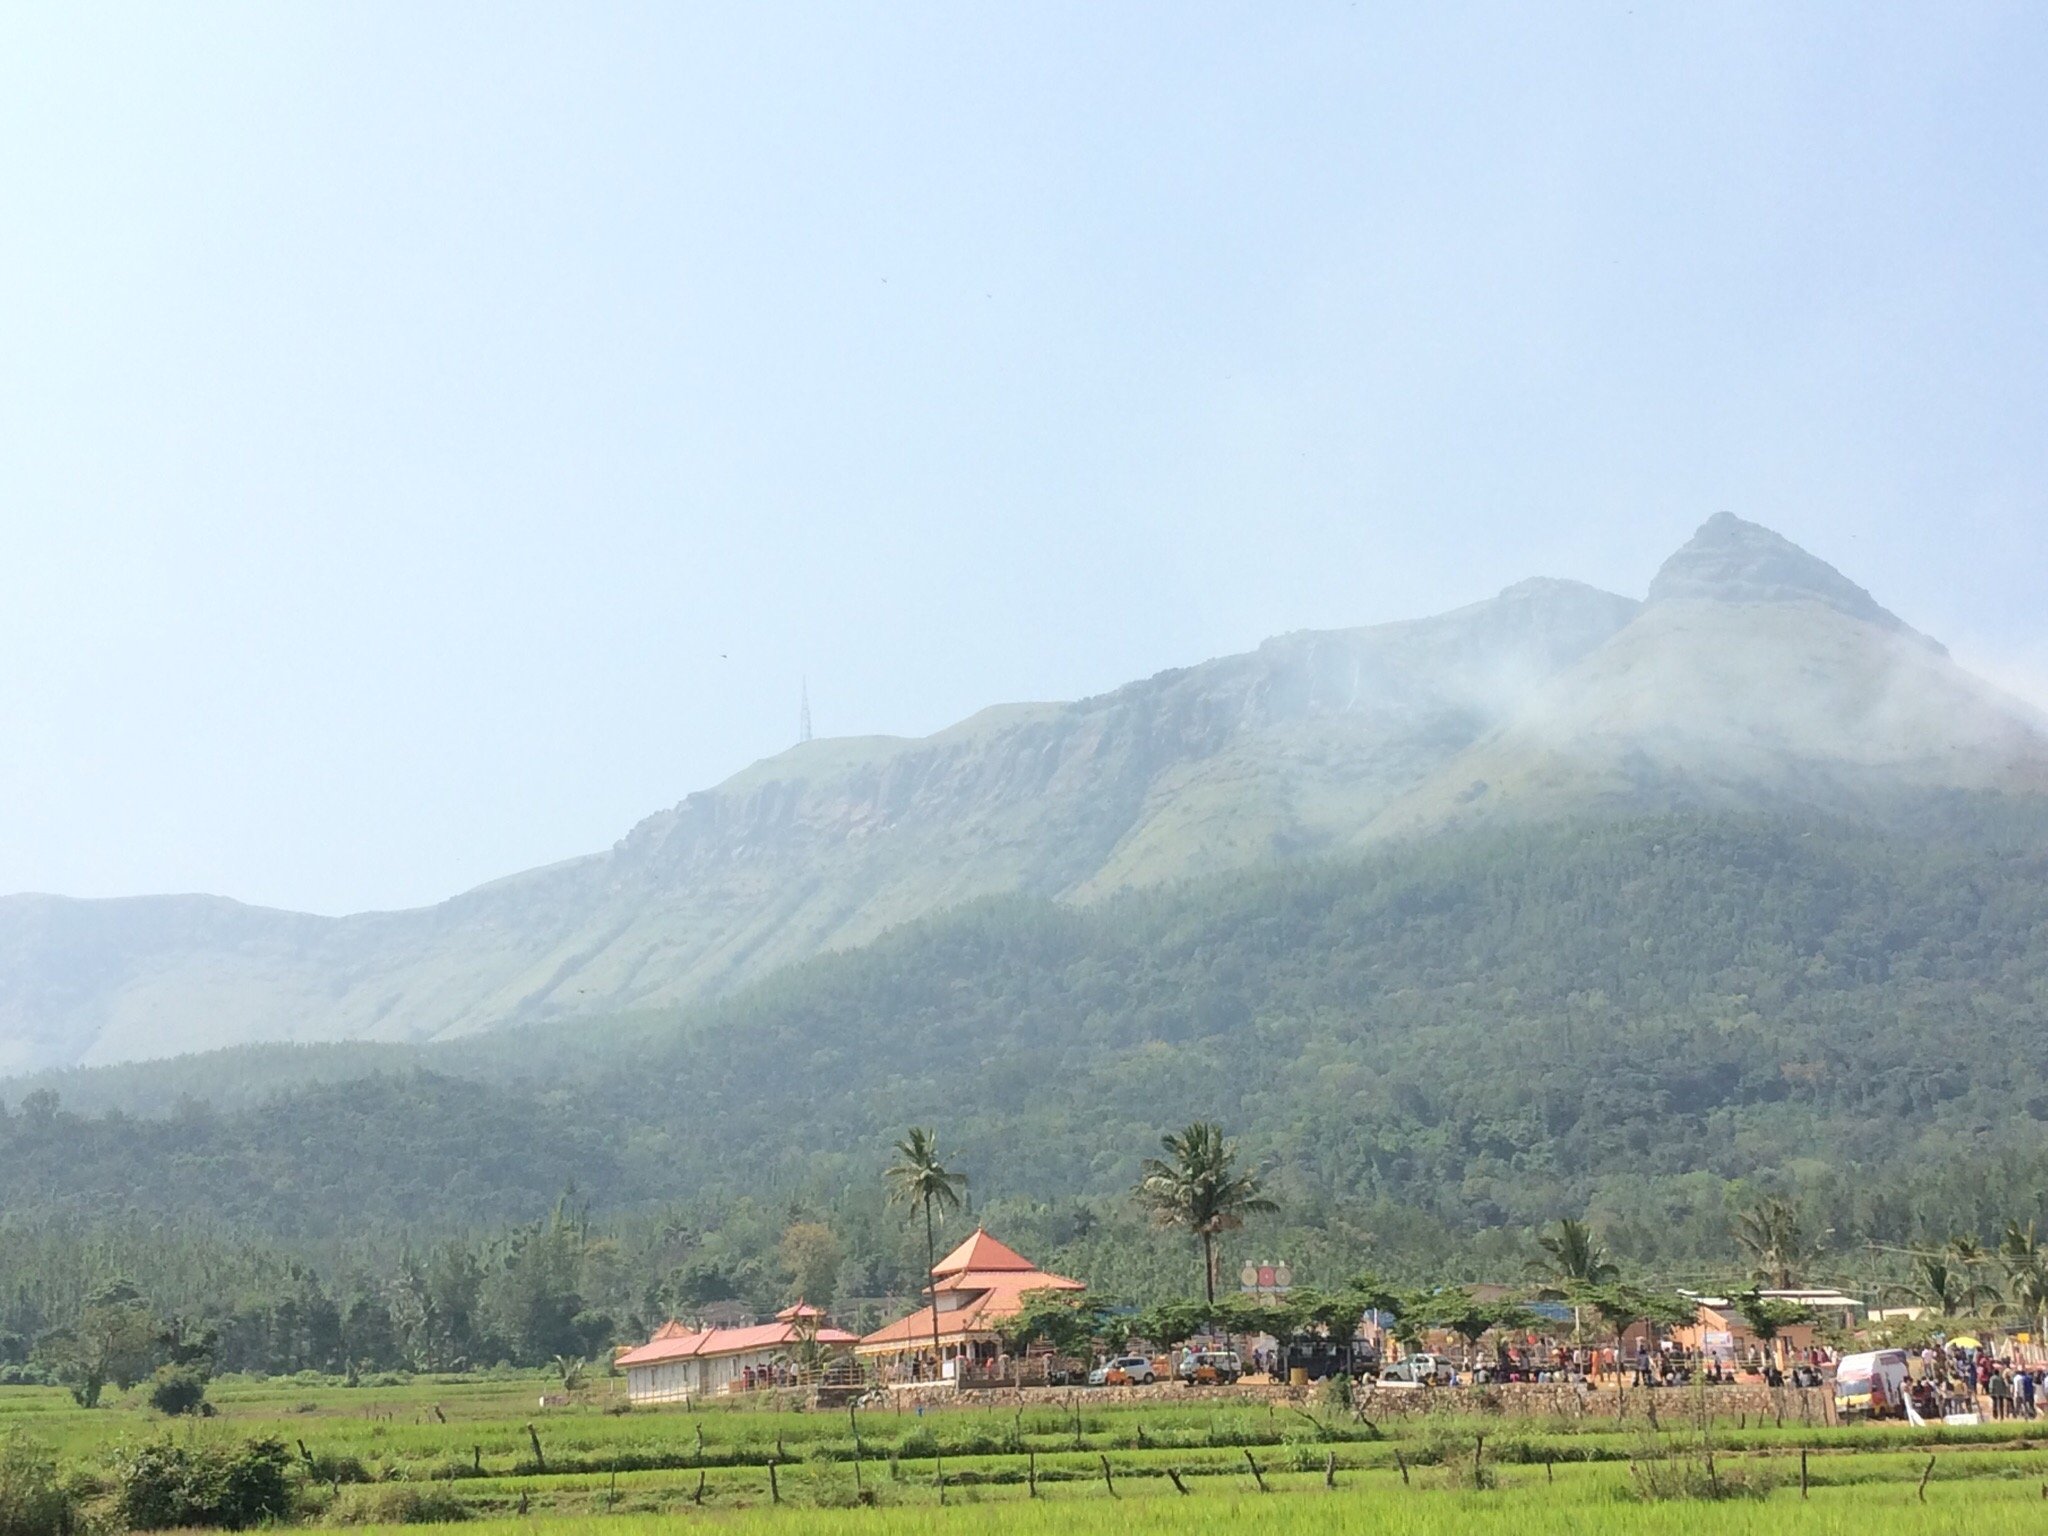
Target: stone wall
{"type": "Point", "coordinates": [1752, 1403]}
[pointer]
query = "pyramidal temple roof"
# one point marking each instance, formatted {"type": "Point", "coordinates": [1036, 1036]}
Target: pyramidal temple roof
{"type": "Point", "coordinates": [981, 1254]}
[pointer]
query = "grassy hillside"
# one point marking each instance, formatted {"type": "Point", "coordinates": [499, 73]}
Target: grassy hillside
{"type": "Point", "coordinates": [1755, 680]}
{"type": "Point", "coordinates": [1477, 1032]}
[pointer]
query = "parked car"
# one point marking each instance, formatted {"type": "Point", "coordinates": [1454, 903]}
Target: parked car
{"type": "Point", "coordinates": [1211, 1367]}
{"type": "Point", "coordinates": [1124, 1371]}
{"type": "Point", "coordinates": [1416, 1371]}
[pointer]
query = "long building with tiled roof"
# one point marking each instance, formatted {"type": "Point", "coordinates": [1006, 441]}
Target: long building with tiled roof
{"type": "Point", "coordinates": [679, 1362]}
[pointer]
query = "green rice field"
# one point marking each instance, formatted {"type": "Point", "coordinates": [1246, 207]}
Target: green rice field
{"type": "Point", "coordinates": [489, 1452]}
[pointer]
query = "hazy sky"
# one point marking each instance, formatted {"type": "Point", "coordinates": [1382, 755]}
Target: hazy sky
{"type": "Point", "coordinates": [433, 437]}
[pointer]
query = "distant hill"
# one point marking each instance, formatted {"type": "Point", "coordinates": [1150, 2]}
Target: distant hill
{"type": "Point", "coordinates": [1479, 1031]}
{"type": "Point", "coordinates": [1755, 678]}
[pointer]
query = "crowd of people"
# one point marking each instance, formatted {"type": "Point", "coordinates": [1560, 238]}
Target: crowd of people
{"type": "Point", "coordinates": [1968, 1378]}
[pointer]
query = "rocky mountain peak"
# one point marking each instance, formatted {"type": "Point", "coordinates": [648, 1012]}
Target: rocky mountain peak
{"type": "Point", "coordinates": [1733, 561]}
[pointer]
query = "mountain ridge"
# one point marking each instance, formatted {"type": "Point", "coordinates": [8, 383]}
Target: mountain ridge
{"type": "Point", "coordinates": [1755, 674]}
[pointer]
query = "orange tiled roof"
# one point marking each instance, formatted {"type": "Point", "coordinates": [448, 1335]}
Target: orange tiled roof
{"type": "Point", "coordinates": [993, 1296]}
{"type": "Point", "coordinates": [982, 1253]}
{"type": "Point", "coordinates": [683, 1345]}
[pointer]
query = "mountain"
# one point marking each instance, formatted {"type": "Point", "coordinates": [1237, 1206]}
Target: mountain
{"type": "Point", "coordinates": [1755, 676]}
{"type": "Point", "coordinates": [1480, 1031]}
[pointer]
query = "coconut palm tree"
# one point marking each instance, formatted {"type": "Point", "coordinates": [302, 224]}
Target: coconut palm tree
{"type": "Point", "coordinates": [1941, 1284]}
{"type": "Point", "coordinates": [918, 1178]}
{"type": "Point", "coordinates": [1196, 1187]}
{"type": "Point", "coordinates": [1771, 1234]}
{"type": "Point", "coordinates": [2020, 1250]}
{"type": "Point", "coordinates": [2025, 1263]}
{"type": "Point", "coordinates": [1572, 1254]}
{"type": "Point", "coordinates": [1572, 1257]}
{"type": "Point", "coordinates": [2027, 1294]}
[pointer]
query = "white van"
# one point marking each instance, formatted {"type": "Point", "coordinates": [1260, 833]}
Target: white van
{"type": "Point", "coordinates": [1872, 1384]}
{"type": "Point", "coordinates": [1417, 1371]}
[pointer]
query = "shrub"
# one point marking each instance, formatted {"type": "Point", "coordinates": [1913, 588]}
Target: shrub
{"type": "Point", "coordinates": [228, 1486]}
{"type": "Point", "coordinates": [32, 1501]}
{"type": "Point", "coordinates": [334, 1468]}
{"type": "Point", "coordinates": [400, 1504]}
{"type": "Point", "coordinates": [178, 1389]}
{"type": "Point", "coordinates": [1659, 1473]}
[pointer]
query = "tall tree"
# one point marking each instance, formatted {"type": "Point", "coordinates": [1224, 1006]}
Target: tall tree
{"type": "Point", "coordinates": [1572, 1256]}
{"type": "Point", "coordinates": [919, 1179]}
{"type": "Point", "coordinates": [1197, 1187]}
{"type": "Point", "coordinates": [1771, 1233]}
{"type": "Point", "coordinates": [2025, 1263]}
{"type": "Point", "coordinates": [1940, 1283]}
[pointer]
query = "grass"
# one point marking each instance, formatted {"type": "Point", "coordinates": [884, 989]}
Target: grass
{"type": "Point", "coordinates": [436, 1448]}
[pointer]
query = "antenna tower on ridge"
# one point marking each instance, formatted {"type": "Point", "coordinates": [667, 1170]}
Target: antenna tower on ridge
{"type": "Point", "coordinates": [803, 716]}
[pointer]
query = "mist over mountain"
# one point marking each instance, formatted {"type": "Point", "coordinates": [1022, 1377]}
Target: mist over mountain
{"type": "Point", "coordinates": [1755, 677]}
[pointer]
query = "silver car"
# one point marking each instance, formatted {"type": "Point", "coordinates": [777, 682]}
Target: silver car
{"type": "Point", "coordinates": [1136, 1367]}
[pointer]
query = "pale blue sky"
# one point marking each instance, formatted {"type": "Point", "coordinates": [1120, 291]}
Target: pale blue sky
{"type": "Point", "coordinates": [433, 437]}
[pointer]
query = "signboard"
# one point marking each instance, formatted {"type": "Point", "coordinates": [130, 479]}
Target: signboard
{"type": "Point", "coordinates": [1266, 1278]}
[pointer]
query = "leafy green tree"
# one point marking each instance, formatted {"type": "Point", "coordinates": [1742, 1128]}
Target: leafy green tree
{"type": "Point", "coordinates": [811, 1255]}
{"type": "Point", "coordinates": [1619, 1305]}
{"type": "Point", "coordinates": [1172, 1323]}
{"type": "Point", "coordinates": [1455, 1310]}
{"type": "Point", "coordinates": [1768, 1317]}
{"type": "Point", "coordinates": [1067, 1321]}
{"type": "Point", "coordinates": [920, 1180]}
{"type": "Point", "coordinates": [1197, 1188]}
{"type": "Point", "coordinates": [114, 1339]}
{"type": "Point", "coordinates": [534, 1291]}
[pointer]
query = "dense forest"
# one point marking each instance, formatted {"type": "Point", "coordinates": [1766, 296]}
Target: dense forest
{"type": "Point", "coordinates": [1430, 1051]}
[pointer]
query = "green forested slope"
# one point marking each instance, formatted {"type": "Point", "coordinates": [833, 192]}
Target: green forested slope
{"type": "Point", "coordinates": [1478, 1032]}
